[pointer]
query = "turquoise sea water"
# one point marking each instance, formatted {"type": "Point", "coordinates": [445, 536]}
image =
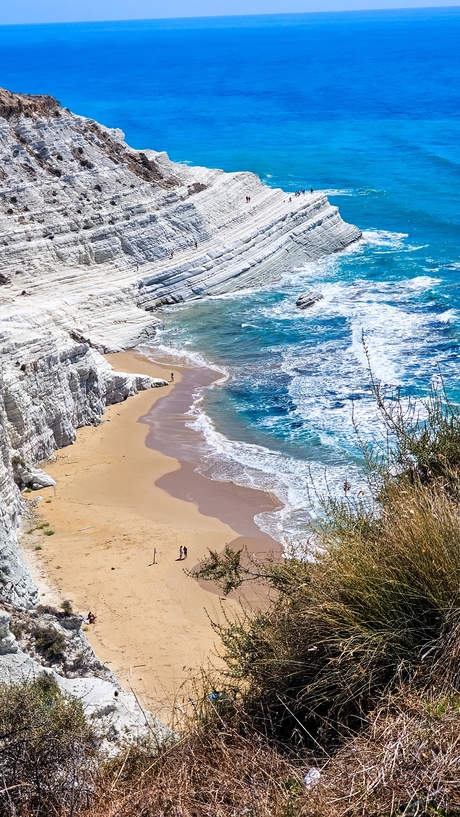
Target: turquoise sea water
{"type": "Point", "coordinates": [363, 104]}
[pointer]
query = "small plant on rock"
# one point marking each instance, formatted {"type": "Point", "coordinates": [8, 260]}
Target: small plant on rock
{"type": "Point", "coordinates": [67, 607]}
{"type": "Point", "coordinates": [50, 643]}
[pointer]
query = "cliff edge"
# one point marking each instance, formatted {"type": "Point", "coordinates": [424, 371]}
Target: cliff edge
{"type": "Point", "coordinates": [94, 236]}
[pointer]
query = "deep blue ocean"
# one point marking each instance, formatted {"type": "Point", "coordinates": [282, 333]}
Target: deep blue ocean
{"type": "Point", "coordinates": [365, 105]}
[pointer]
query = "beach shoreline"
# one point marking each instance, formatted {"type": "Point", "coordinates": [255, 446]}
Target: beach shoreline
{"type": "Point", "coordinates": [110, 512]}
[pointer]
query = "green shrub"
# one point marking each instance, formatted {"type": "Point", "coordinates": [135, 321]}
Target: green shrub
{"type": "Point", "coordinates": [47, 750]}
{"type": "Point", "coordinates": [50, 643]}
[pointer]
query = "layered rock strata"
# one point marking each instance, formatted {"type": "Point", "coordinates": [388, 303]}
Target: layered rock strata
{"type": "Point", "coordinates": [94, 236]}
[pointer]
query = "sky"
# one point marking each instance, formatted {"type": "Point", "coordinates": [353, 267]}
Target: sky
{"type": "Point", "coordinates": [67, 11]}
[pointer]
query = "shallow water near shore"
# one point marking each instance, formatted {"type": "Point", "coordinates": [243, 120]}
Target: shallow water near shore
{"type": "Point", "coordinates": [362, 104]}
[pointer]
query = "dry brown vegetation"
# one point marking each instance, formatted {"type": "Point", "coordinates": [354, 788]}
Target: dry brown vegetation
{"type": "Point", "coordinates": [406, 762]}
{"type": "Point", "coordinates": [213, 771]}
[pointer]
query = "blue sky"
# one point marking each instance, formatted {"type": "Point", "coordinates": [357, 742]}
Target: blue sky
{"type": "Point", "coordinates": [55, 11]}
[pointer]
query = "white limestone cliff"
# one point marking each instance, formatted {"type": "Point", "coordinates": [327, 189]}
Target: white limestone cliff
{"type": "Point", "coordinates": [94, 236]}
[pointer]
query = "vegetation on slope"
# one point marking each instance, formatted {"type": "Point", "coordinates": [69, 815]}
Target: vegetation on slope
{"type": "Point", "coordinates": [353, 668]}
{"type": "Point", "coordinates": [47, 750]}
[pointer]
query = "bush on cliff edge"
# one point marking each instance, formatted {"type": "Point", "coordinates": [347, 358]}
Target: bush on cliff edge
{"type": "Point", "coordinates": [48, 750]}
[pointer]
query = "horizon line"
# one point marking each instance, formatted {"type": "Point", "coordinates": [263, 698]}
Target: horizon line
{"type": "Point", "coordinates": [235, 16]}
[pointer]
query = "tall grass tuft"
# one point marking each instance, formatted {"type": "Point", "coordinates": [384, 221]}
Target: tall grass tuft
{"type": "Point", "coordinates": [215, 770]}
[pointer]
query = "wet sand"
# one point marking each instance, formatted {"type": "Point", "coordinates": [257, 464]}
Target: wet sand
{"type": "Point", "coordinates": [121, 493]}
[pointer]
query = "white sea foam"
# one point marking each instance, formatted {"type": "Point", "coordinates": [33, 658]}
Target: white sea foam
{"type": "Point", "coordinates": [328, 377]}
{"type": "Point", "coordinates": [383, 237]}
{"type": "Point", "coordinates": [336, 192]}
{"type": "Point", "coordinates": [423, 282]}
{"type": "Point", "coordinates": [449, 316]}
{"type": "Point", "coordinates": [165, 352]}
{"type": "Point", "coordinates": [255, 466]}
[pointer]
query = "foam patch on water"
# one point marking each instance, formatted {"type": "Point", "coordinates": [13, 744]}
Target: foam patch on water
{"type": "Point", "coordinates": [384, 238]}
{"type": "Point", "coordinates": [423, 282]}
{"type": "Point", "coordinates": [449, 316]}
{"type": "Point", "coordinates": [337, 192]}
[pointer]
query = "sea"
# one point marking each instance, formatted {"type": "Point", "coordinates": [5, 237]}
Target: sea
{"type": "Point", "coordinates": [364, 105]}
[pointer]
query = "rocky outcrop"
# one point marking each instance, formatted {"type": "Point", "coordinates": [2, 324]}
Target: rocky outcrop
{"type": "Point", "coordinates": [8, 644]}
{"type": "Point", "coordinates": [105, 702]}
{"type": "Point", "coordinates": [27, 105]}
{"type": "Point", "coordinates": [85, 216]}
{"type": "Point", "coordinates": [308, 299]}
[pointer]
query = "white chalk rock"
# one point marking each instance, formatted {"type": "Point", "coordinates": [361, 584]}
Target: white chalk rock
{"type": "Point", "coordinates": [8, 643]}
{"type": "Point", "coordinates": [28, 477]}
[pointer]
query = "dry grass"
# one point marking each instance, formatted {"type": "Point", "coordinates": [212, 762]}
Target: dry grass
{"type": "Point", "coordinates": [214, 771]}
{"type": "Point", "coordinates": [406, 763]}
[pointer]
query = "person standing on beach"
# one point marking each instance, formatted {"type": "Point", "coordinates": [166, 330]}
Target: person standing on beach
{"type": "Point", "coordinates": [181, 553]}
{"type": "Point", "coordinates": [185, 551]}
{"type": "Point", "coordinates": [172, 377]}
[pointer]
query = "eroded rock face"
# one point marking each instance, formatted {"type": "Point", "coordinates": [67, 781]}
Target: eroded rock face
{"type": "Point", "coordinates": [74, 195]}
{"type": "Point", "coordinates": [27, 104]}
{"type": "Point", "coordinates": [8, 643]}
{"type": "Point", "coordinates": [93, 237]}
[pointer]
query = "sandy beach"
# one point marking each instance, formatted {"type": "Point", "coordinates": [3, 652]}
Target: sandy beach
{"type": "Point", "coordinates": [117, 500]}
